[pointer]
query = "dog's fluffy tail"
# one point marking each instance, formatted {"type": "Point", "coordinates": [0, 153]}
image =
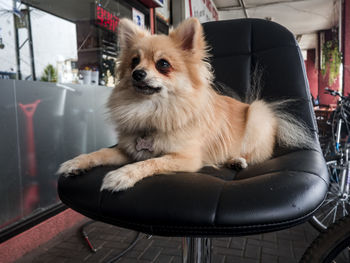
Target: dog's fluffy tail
{"type": "Point", "coordinates": [291, 132]}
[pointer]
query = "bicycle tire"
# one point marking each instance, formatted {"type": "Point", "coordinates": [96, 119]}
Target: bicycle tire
{"type": "Point", "coordinates": [327, 246]}
{"type": "Point", "coordinates": [334, 194]}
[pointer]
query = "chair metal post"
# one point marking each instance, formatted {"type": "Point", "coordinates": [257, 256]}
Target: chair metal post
{"type": "Point", "coordinates": [196, 250]}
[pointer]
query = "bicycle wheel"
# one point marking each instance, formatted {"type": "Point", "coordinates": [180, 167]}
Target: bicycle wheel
{"type": "Point", "coordinates": [336, 204]}
{"type": "Point", "coordinates": [330, 246]}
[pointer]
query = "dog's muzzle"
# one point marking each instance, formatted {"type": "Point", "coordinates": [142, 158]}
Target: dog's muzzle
{"type": "Point", "coordinates": [143, 88]}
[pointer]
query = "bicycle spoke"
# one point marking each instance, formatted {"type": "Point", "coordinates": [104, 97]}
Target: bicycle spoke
{"type": "Point", "coordinates": [330, 212]}
{"type": "Point", "coordinates": [336, 189]}
{"type": "Point", "coordinates": [329, 198]}
{"type": "Point", "coordinates": [332, 193]}
{"type": "Point", "coordinates": [327, 201]}
{"type": "Point", "coordinates": [335, 213]}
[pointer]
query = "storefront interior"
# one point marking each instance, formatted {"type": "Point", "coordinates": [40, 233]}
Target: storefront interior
{"type": "Point", "coordinates": [59, 63]}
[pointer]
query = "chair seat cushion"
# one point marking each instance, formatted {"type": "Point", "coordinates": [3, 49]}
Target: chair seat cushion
{"type": "Point", "coordinates": [277, 194]}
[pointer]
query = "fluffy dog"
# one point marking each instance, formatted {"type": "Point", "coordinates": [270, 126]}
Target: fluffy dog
{"type": "Point", "coordinates": [169, 118]}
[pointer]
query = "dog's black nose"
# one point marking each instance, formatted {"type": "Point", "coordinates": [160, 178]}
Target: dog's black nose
{"type": "Point", "coordinates": [139, 75]}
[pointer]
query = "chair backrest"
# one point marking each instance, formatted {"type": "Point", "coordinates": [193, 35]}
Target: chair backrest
{"type": "Point", "coordinates": [244, 46]}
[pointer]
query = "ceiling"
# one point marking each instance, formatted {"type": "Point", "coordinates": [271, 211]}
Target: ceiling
{"type": "Point", "coordinates": [302, 17]}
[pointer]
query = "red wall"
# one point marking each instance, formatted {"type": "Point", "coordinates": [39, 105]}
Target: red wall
{"type": "Point", "coordinates": [326, 99]}
{"type": "Point", "coordinates": [346, 46]}
{"type": "Point", "coordinates": [323, 81]}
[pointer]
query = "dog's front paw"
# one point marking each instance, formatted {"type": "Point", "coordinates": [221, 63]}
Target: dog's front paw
{"type": "Point", "coordinates": [74, 166]}
{"type": "Point", "coordinates": [120, 179]}
{"type": "Point", "coordinates": [237, 163]}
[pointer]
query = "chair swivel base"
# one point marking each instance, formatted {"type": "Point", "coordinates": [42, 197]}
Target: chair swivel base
{"type": "Point", "coordinates": [196, 250]}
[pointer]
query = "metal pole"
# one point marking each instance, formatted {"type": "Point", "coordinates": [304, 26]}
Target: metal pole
{"type": "Point", "coordinates": [18, 61]}
{"type": "Point", "coordinates": [30, 37]}
{"type": "Point", "coordinates": [241, 2]}
{"type": "Point", "coordinates": [196, 250]}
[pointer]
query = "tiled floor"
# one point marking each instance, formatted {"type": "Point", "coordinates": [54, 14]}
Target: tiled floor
{"type": "Point", "coordinates": [69, 247]}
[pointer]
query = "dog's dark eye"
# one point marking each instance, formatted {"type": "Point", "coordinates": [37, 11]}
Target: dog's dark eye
{"type": "Point", "coordinates": [163, 66]}
{"type": "Point", "coordinates": [134, 62]}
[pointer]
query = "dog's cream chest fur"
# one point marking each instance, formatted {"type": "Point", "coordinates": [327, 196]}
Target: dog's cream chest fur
{"type": "Point", "coordinates": [161, 143]}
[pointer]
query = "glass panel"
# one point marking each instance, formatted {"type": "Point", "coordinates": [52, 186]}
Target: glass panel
{"type": "Point", "coordinates": [46, 29]}
{"type": "Point", "coordinates": [42, 125]}
{"type": "Point", "coordinates": [10, 186]}
{"type": "Point", "coordinates": [56, 73]}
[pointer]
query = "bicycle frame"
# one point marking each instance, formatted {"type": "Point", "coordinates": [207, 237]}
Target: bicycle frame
{"type": "Point", "coordinates": [337, 202]}
{"type": "Point", "coordinates": [344, 151]}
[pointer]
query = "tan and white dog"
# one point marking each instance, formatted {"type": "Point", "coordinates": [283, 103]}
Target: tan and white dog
{"type": "Point", "coordinates": [169, 118]}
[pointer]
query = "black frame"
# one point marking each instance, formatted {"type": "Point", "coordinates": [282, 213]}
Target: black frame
{"type": "Point", "coordinates": [33, 220]}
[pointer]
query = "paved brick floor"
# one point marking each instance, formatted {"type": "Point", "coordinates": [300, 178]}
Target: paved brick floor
{"type": "Point", "coordinates": [280, 247]}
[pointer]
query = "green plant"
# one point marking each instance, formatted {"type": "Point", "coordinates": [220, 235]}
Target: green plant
{"type": "Point", "coordinates": [50, 74]}
{"type": "Point", "coordinates": [331, 60]}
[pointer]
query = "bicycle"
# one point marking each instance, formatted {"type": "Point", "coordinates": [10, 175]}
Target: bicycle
{"type": "Point", "coordinates": [337, 202]}
{"type": "Point", "coordinates": [333, 245]}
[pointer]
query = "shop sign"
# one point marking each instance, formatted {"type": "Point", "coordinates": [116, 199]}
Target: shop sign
{"type": "Point", "coordinates": [204, 10]}
{"type": "Point", "coordinates": [159, 2]}
{"type": "Point", "coordinates": [105, 19]}
{"type": "Point", "coordinates": [164, 11]}
{"type": "Point", "coordinates": [138, 18]}
{"type": "Point", "coordinates": [153, 3]}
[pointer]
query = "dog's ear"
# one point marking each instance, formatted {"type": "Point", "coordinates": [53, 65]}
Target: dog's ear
{"type": "Point", "coordinates": [189, 34]}
{"type": "Point", "coordinates": [128, 31]}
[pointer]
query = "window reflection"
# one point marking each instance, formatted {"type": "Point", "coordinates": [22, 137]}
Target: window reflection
{"type": "Point", "coordinates": [57, 67]}
{"type": "Point", "coordinates": [43, 124]}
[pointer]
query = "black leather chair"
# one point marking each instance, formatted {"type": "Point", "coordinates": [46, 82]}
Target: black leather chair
{"type": "Point", "coordinates": [274, 195]}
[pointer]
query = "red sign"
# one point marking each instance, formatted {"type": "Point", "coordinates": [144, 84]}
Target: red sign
{"type": "Point", "coordinates": [105, 19]}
